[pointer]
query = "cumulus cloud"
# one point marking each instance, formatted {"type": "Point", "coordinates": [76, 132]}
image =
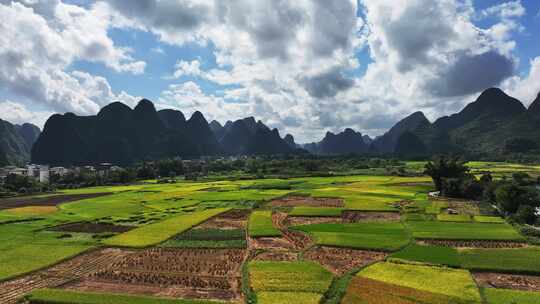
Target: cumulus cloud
{"type": "Point", "coordinates": [327, 84]}
{"type": "Point", "coordinates": [17, 113]}
{"type": "Point", "coordinates": [508, 9]}
{"type": "Point", "coordinates": [525, 88]}
{"type": "Point", "coordinates": [50, 36]}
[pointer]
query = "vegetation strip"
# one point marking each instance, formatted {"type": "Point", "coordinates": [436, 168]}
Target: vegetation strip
{"type": "Point", "coordinates": [161, 231]}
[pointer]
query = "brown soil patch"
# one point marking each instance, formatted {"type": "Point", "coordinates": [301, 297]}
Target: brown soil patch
{"type": "Point", "coordinates": [466, 208]}
{"type": "Point", "coordinates": [350, 216]}
{"type": "Point", "coordinates": [509, 281]}
{"type": "Point", "coordinates": [233, 219]}
{"type": "Point", "coordinates": [298, 239]}
{"type": "Point", "coordinates": [473, 244]}
{"type": "Point", "coordinates": [270, 243]}
{"type": "Point", "coordinates": [277, 256]}
{"type": "Point", "coordinates": [192, 273]}
{"type": "Point", "coordinates": [342, 260]}
{"type": "Point", "coordinates": [295, 201]}
{"type": "Point", "coordinates": [309, 220]}
{"type": "Point", "coordinates": [86, 227]}
{"type": "Point", "coordinates": [53, 200]}
{"type": "Point", "coordinates": [60, 274]}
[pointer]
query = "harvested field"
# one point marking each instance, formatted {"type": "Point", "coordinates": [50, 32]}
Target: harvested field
{"type": "Point", "coordinates": [270, 243]}
{"type": "Point", "coordinates": [294, 201]}
{"type": "Point", "coordinates": [234, 219]}
{"type": "Point", "coordinates": [277, 256]}
{"type": "Point", "coordinates": [86, 227]}
{"type": "Point", "coordinates": [190, 273]}
{"type": "Point", "coordinates": [60, 274]}
{"type": "Point", "coordinates": [341, 260]}
{"type": "Point", "coordinates": [53, 200]}
{"type": "Point", "coordinates": [473, 244]}
{"type": "Point", "coordinates": [297, 238]}
{"type": "Point", "coordinates": [350, 216]}
{"type": "Point", "coordinates": [309, 220]}
{"type": "Point", "coordinates": [508, 281]}
{"type": "Point", "coordinates": [464, 208]}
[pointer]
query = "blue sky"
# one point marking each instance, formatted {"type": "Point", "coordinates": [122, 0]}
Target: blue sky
{"type": "Point", "coordinates": [305, 67]}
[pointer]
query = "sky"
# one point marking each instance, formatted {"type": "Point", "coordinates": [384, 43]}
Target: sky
{"type": "Point", "coordinates": [303, 66]}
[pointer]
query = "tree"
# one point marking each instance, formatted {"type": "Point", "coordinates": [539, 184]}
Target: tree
{"type": "Point", "coordinates": [443, 167]}
{"type": "Point", "coordinates": [525, 215]}
{"type": "Point", "coordinates": [508, 197]}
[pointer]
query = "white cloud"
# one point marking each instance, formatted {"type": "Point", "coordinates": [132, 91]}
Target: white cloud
{"type": "Point", "coordinates": [187, 68]}
{"type": "Point", "coordinates": [17, 113]}
{"type": "Point", "coordinates": [525, 88]}
{"type": "Point", "coordinates": [508, 9]}
{"type": "Point", "coordinates": [35, 58]}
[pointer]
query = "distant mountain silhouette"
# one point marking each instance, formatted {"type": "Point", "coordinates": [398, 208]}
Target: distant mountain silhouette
{"type": "Point", "coordinates": [16, 142]}
{"type": "Point", "coordinates": [387, 143]}
{"type": "Point", "coordinates": [494, 124]}
{"type": "Point", "coordinates": [346, 142]}
{"type": "Point", "coordinates": [249, 137]}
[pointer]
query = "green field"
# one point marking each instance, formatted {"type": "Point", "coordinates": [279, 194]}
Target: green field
{"type": "Point", "coordinates": [260, 225]}
{"type": "Point", "coordinates": [429, 254]}
{"type": "Point", "coordinates": [58, 296]}
{"type": "Point", "coordinates": [154, 234]}
{"type": "Point", "coordinates": [444, 281]}
{"type": "Point", "coordinates": [463, 231]}
{"type": "Point", "coordinates": [305, 277]}
{"type": "Point", "coordinates": [209, 238]}
{"type": "Point", "coordinates": [518, 260]}
{"type": "Point", "coordinates": [506, 296]}
{"type": "Point", "coordinates": [382, 236]}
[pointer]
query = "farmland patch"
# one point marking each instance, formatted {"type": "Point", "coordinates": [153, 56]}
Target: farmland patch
{"type": "Point", "coordinates": [454, 283]}
{"type": "Point", "coordinates": [177, 273]}
{"type": "Point", "coordinates": [52, 200]}
{"type": "Point", "coordinates": [342, 260]}
{"type": "Point", "coordinates": [351, 216]}
{"type": "Point", "coordinates": [507, 281]}
{"type": "Point", "coordinates": [368, 291]}
{"type": "Point", "coordinates": [370, 236]}
{"type": "Point", "coordinates": [474, 244]}
{"type": "Point", "coordinates": [60, 274]}
{"type": "Point", "coordinates": [505, 296]}
{"type": "Point", "coordinates": [88, 227]}
{"type": "Point", "coordinates": [307, 201]}
{"type": "Point", "coordinates": [209, 238]}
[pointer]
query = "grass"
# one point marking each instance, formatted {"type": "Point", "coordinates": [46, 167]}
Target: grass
{"type": "Point", "coordinates": [288, 298]}
{"type": "Point", "coordinates": [463, 231]}
{"type": "Point", "coordinates": [60, 296]}
{"type": "Point", "coordinates": [260, 225]}
{"type": "Point", "coordinates": [316, 211]}
{"type": "Point", "coordinates": [436, 207]}
{"type": "Point", "coordinates": [454, 218]}
{"type": "Point", "coordinates": [381, 236]}
{"type": "Point", "coordinates": [29, 257]}
{"type": "Point", "coordinates": [454, 283]}
{"type": "Point", "coordinates": [435, 255]}
{"type": "Point", "coordinates": [489, 219]}
{"type": "Point", "coordinates": [266, 276]}
{"type": "Point", "coordinates": [159, 232]}
{"type": "Point", "coordinates": [518, 260]}
{"type": "Point", "coordinates": [507, 296]}
{"type": "Point", "coordinates": [209, 238]}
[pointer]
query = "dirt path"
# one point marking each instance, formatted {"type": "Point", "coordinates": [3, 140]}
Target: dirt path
{"type": "Point", "coordinates": [60, 274]}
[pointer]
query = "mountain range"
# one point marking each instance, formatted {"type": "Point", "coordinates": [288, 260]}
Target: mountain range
{"type": "Point", "coordinates": [494, 124]}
